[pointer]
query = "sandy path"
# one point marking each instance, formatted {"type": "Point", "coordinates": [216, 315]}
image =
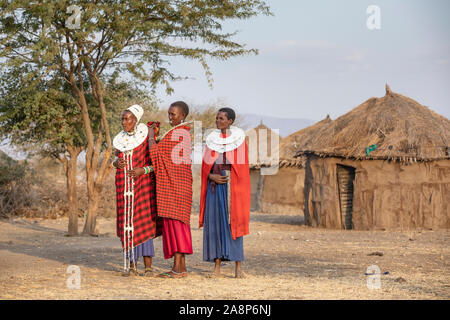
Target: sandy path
{"type": "Point", "coordinates": [284, 260]}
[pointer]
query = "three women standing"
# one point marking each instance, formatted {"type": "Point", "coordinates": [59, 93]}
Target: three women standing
{"type": "Point", "coordinates": [225, 190]}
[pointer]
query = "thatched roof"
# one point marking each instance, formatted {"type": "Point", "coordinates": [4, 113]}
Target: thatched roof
{"type": "Point", "coordinates": [290, 145]}
{"type": "Point", "coordinates": [255, 143]}
{"type": "Point", "coordinates": [400, 128]}
{"type": "Point", "coordinates": [261, 126]}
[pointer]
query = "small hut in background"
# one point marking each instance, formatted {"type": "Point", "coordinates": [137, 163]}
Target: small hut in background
{"type": "Point", "coordinates": [383, 165]}
{"type": "Point", "coordinates": [283, 191]}
{"type": "Point", "coordinates": [260, 136]}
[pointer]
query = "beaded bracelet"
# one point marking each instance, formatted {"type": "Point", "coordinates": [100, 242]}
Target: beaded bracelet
{"type": "Point", "coordinates": [148, 169]}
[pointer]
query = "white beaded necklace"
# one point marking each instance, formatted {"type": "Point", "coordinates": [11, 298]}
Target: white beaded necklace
{"type": "Point", "coordinates": [125, 141]}
{"type": "Point", "coordinates": [215, 142]}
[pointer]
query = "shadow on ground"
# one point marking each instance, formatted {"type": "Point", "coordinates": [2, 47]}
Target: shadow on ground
{"type": "Point", "coordinates": [295, 220]}
{"type": "Point", "coordinates": [105, 252]}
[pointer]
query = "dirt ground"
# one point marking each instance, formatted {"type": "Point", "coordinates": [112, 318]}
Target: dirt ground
{"type": "Point", "coordinates": [283, 260]}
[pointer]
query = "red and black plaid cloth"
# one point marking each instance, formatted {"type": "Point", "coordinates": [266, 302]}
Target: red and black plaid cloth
{"type": "Point", "coordinates": [171, 158]}
{"type": "Point", "coordinates": [145, 220]}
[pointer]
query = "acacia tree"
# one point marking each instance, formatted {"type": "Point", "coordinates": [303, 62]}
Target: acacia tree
{"type": "Point", "coordinates": [130, 37]}
{"type": "Point", "coordinates": [44, 119]}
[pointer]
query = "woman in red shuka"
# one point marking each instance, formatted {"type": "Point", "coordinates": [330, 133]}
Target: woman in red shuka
{"type": "Point", "coordinates": [171, 158]}
{"type": "Point", "coordinates": [225, 214]}
{"type": "Point", "coordinates": [136, 206]}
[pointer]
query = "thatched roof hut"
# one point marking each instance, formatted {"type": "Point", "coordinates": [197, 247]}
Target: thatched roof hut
{"type": "Point", "coordinates": [260, 141]}
{"type": "Point", "coordinates": [384, 164]}
{"type": "Point", "coordinates": [291, 144]}
{"type": "Point", "coordinates": [400, 128]}
{"type": "Point", "coordinates": [281, 190]}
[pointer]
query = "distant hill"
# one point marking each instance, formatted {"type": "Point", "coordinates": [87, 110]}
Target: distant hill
{"type": "Point", "coordinates": [285, 125]}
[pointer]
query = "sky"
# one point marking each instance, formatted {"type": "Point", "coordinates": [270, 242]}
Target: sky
{"type": "Point", "coordinates": [319, 57]}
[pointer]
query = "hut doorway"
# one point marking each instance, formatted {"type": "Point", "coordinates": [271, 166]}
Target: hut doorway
{"type": "Point", "coordinates": [346, 177]}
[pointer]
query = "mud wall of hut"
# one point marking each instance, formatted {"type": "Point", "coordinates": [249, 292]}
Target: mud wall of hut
{"type": "Point", "coordinates": [256, 187]}
{"type": "Point", "coordinates": [279, 193]}
{"type": "Point", "coordinates": [386, 195]}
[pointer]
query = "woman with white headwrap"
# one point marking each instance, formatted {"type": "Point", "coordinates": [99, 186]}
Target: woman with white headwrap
{"type": "Point", "coordinates": [137, 222]}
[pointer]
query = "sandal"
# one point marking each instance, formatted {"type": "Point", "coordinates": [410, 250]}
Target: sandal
{"type": "Point", "coordinates": [135, 272]}
{"type": "Point", "coordinates": [129, 272]}
{"type": "Point", "coordinates": [148, 272]}
{"type": "Point", "coordinates": [173, 275]}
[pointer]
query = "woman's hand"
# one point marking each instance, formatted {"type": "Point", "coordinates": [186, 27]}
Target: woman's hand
{"type": "Point", "coordinates": [119, 163]}
{"type": "Point", "coordinates": [151, 132]}
{"type": "Point", "coordinates": [151, 136]}
{"type": "Point", "coordinates": [136, 172]}
{"type": "Point", "coordinates": [217, 178]}
{"type": "Point", "coordinates": [153, 129]}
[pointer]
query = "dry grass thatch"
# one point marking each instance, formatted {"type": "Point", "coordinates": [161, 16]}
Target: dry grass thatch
{"type": "Point", "coordinates": [290, 145]}
{"type": "Point", "coordinates": [402, 130]}
{"type": "Point", "coordinates": [254, 142]}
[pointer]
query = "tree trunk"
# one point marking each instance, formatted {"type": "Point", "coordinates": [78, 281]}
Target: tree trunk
{"type": "Point", "coordinates": [98, 169]}
{"type": "Point", "coordinates": [70, 171]}
{"type": "Point", "coordinates": [90, 225]}
{"type": "Point", "coordinates": [95, 175]}
{"type": "Point", "coordinates": [94, 189]}
{"type": "Point", "coordinates": [71, 176]}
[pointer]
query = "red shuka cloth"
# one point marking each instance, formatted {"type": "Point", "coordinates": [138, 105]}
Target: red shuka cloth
{"type": "Point", "coordinates": [145, 220]}
{"type": "Point", "coordinates": [171, 158]}
{"type": "Point", "coordinates": [240, 188]}
{"type": "Point", "coordinates": [176, 238]}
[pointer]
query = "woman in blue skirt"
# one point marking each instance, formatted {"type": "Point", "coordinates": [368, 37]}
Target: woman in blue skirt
{"type": "Point", "coordinates": [225, 196]}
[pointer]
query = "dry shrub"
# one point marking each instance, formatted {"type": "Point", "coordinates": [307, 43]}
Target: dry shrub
{"type": "Point", "coordinates": [107, 201]}
{"type": "Point", "coordinates": [16, 181]}
{"type": "Point", "coordinates": [26, 192]}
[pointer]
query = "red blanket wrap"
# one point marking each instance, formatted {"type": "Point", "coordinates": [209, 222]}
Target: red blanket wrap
{"type": "Point", "coordinates": [145, 220]}
{"type": "Point", "coordinates": [171, 158]}
{"type": "Point", "coordinates": [240, 188]}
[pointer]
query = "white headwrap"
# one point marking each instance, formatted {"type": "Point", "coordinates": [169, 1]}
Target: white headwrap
{"type": "Point", "coordinates": [137, 111]}
{"type": "Point", "coordinates": [125, 141]}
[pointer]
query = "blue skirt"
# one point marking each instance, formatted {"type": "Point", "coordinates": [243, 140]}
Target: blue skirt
{"type": "Point", "coordinates": [217, 239]}
{"type": "Point", "coordinates": [145, 249]}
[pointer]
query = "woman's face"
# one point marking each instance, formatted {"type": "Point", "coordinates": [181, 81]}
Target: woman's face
{"type": "Point", "coordinates": [222, 121]}
{"type": "Point", "coordinates": [128, 121]}
{"type": "Point", "coordinates": [175, 116]}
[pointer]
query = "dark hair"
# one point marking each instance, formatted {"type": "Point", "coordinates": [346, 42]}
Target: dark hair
{"type": "Point", "coordinates": [230, 113]}
{"type": "Point", "coordinates": [183, 106]}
